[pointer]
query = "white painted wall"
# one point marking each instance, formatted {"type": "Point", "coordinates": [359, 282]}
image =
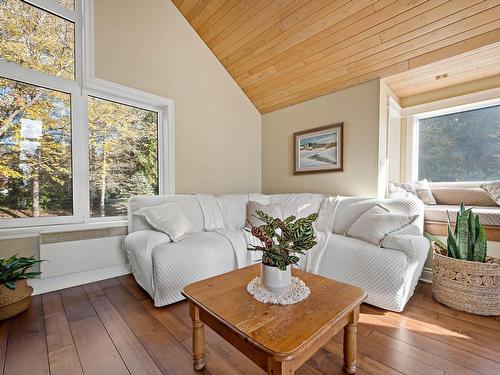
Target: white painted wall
{"type": "Point", "coordinates": [149, 45]}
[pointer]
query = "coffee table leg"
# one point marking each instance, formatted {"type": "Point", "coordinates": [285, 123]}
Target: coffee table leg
{"type": "Point", "coordinates": [279, 368]}
{"type": "Point", "coordinates": [198, 338]}
{"type": "Point", "coordinates": [350, 342]}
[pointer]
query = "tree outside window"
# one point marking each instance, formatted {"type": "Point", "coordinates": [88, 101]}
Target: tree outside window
{"type": "Point", "coordinates": [123, 151]}
{"type": "Point", "coordinates": [463, 146]}
{"type": "Point", "coordinates": [35, 151]}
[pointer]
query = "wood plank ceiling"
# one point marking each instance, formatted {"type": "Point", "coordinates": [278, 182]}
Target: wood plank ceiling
{"type": "Point", "coordinates": [470, 66]}
{"type": "Point", "coordinates": [283, 52]}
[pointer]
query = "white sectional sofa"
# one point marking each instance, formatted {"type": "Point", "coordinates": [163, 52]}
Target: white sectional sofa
{"type": "Point", "coordinates": [388, 273]}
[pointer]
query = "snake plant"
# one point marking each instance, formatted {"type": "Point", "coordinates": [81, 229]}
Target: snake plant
{"type": "Point", "coordinates": [467, 241]}
{"type": "Point", "coordinates": [283, 239]}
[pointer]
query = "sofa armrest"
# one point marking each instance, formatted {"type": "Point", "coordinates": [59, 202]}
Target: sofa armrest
{"type": "Point", "coordinates": [139, 247]}
{"type": "Point", "coordinates": [144, 241]}
{"type": "Point", "coordinates": [416, 247]}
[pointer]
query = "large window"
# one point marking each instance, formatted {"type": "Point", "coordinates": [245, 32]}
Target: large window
{"type": "Point", "coordinates": [72, 149]}
{"type": "Point", "coordinates": [35, 151]}
{"type": "Point", "coordinates": [462, 146]}
{"type": "Point", "coordinates": [122, 155]}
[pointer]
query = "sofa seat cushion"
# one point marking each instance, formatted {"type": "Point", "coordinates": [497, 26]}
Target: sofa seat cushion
{"type": "Point", "coordinates": [487, 215]}
{"type": "Point", "coordinates": [367, 266]}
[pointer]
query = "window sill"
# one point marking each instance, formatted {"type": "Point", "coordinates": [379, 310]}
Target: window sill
{"type": "Point", "coordinates": [35, 231]}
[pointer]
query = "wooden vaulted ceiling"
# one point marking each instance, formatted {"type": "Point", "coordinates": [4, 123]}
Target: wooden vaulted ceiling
{"type": "Point", "coordinates": [469, 66]}
{"type": "Point", "coordinates": [283, 52]}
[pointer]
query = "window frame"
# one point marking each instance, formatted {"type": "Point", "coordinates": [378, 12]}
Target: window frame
{"type": "Point", "coordinates": [411, 123]}
{"type": "Point", "coordinates": [163, 162]}
{"type": "Point", "coordinates": [85, 84]}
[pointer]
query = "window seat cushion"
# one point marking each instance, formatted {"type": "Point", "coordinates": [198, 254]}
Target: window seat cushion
{"type": "Point", "coordinates": [487, 215]}
{"type": "Point", "coordinates": [456, 195]}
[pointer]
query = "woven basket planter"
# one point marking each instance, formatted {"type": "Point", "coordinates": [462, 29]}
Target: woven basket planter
{"type": "Point", "coordinates": [13, 302]}
{"type": "Point", "coordinates": [467, 286]}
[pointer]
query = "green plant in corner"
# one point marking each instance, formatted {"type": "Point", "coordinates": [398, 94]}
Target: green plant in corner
{"type": "Point", "coordinates": [16, 268]}
{"type": "Point", "coordinates": [467, 241]}
{"type": "Point", "coordinates": [283, 239]}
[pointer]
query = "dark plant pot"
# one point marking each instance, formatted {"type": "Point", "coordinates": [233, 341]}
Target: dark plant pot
{"type": "Point", "coordinates": [13, 302]}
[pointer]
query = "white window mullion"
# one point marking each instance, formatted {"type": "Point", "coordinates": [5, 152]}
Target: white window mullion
{"type": "Point", "coordinates": [87, 27]}
{"type": "Point", "coordinates": [166, 150]}
{"type": "Point", "coordinates": [79, 44]}
{"type": "Point", "coordinates": [32, 77]}
{"type": "Point", "coordinates": [58, 9]}
{"type": "Point", "coordinates": [411, 157]}
{"type": "Point", "coordinates": [80, 158]}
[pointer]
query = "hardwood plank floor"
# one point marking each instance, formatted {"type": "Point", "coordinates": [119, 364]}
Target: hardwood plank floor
{"type": "Point", "coordinates": [112, 327]}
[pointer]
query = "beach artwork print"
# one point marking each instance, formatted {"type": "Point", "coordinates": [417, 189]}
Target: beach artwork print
{"type": "Point", "coordinates": [319, 149]}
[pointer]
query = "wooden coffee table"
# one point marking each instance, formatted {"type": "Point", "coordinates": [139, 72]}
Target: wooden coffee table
{"type": "Point", "coordinates": [277, 338]}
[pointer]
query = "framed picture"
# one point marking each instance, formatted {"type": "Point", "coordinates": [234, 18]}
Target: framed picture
{"type": "Point", "coordinates": [319, 150]}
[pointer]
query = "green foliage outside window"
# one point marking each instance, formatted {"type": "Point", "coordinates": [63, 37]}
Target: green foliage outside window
{"type": "Point", "coordinates": [35, 169]}
{"type": "Point", "coordinates": [462, 146]}
{"type": "Point", "coordinates": [36, 39]}
{"type": "Point", "coordinates": [123, 155]}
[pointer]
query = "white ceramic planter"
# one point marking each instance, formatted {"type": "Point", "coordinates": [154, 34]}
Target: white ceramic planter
{"type": "Point", "coordinates": [276, 280]}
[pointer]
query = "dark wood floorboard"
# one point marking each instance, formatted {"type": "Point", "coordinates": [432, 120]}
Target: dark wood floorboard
{"type": "Point", "coordinates": [63, 357]}
{"type": "Point", "coordinates": [112, 327]}
{"type": "Point", "coordinates": [131, 350]}
{"type": "Point", "coordinates": [98, 354]}
{"type": "Point", "coordinates": [26, 344]}
{"type": "Point", "coordinates": [4, 336]}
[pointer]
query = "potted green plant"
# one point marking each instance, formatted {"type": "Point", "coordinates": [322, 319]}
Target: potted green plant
{"type": "Point", "coordinates": [15, 293]}
{"type": "Point", "coordinates": [282, 241]}
{"type": "Point", "coordinates": [464, 277]}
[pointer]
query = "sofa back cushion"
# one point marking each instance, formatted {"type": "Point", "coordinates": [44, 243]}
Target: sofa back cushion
{"type": "Point", "coordinates": [233, 208]}
{"type": "Point", "coordinates": [187, 203]}
{"type": "Point", "coordinates": [273, 210]}
{"type": "Point", "coordinates": [300, 205]}
{"type": "Point", "coordinates": [350, 209]}
{"type": "Point", "coordinates": [471, 196]}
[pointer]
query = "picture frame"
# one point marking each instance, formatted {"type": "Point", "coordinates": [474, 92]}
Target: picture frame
{"type": "Point", "coordinates": [319, 150]}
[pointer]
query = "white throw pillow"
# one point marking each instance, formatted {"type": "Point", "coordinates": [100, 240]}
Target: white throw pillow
{"type": "Point", "coordinates": [400, 190]}
{"type": "Point", "coordinates": [378, 222]}
{"type": "Point", "coordinates": [493, 190]}
{"type": "Point", "coordinates": [424, 191]}
{"type": "Point", "coordinates": [273, 210]}
{"type": "Point", "coordinates": [168, 218]}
